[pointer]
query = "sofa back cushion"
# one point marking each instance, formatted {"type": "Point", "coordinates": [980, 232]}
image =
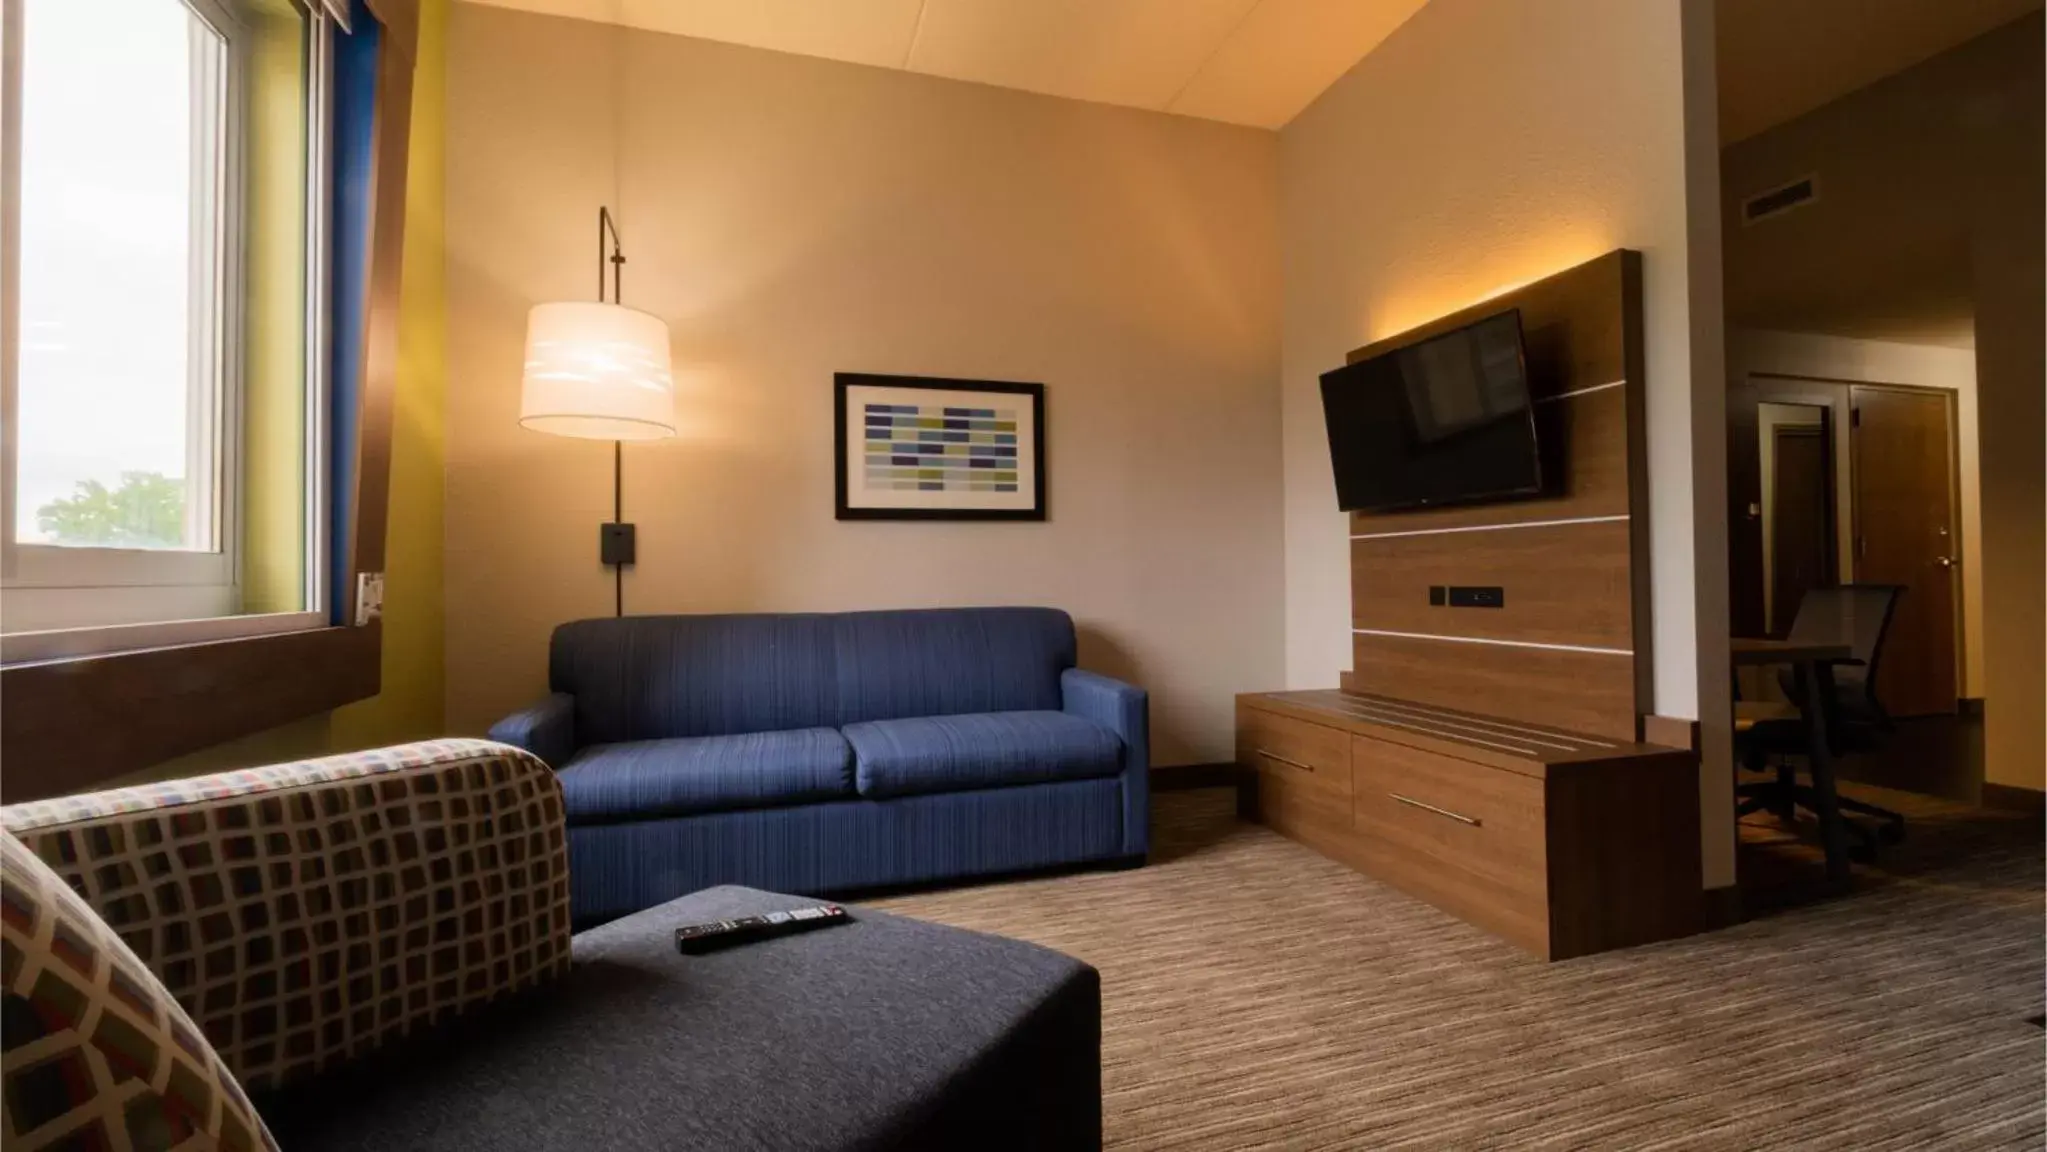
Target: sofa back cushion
{"type": "Point", "coordinates": [660, 677]}
{"type": "Point", "coordinates": [307, 914]}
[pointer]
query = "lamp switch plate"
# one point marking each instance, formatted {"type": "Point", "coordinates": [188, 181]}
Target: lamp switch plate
{"type": "Point", "coordinates": [615, 543]}
{"type": "Point", "coordinates": [369, 597]}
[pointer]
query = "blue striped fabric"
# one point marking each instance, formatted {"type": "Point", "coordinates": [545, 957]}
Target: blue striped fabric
{"type": "Point", "coordinates": [656, 677]}
{"type": "Point", "coordinates": [647, 779]}
{"type": "Point", "coordinates": [946, 661]}
{"type": "Point", "coordinates": [978, 750]}
{"type": "Point", "coordinates": [821, 849]}
{"type": "Point", "coordinates": [546, 729]}
{"type": "Point", "coordinates": [659, 806]}
{"type": "Point", "coordinates": [1125, 710]}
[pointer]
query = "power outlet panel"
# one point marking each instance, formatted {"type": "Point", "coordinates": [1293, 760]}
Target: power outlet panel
{"type": "Point", "coordinates": [369, 597]}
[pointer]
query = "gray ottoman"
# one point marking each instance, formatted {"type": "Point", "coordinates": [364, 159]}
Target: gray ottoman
{"type": "Point", "coordinates": [883, 1033]}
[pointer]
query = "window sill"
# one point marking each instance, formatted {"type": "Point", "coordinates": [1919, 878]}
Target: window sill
{"type": "Point", "coordinates": [74, 724]}
{"type": "Point", "coordinates": [72, 643]}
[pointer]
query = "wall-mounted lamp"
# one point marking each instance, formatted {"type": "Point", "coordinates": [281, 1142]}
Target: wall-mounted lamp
{"type": "Point", "coordinates": [601, 372]}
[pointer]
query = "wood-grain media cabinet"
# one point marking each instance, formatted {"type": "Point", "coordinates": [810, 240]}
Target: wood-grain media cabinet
{"type": "Point", "coordinates": [1562, 843]}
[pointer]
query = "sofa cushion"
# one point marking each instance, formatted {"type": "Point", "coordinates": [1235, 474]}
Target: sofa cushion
{"type": "Point", "coordinates": [662, 677]}
{"type": "Point", "coordinates": [665, 677]}
{"type": "Point", "coordinates": [978, 750]}
{"type": "Point", "coordinates": [949, 661]}
{"type": "Point", "coordinates": [642, 779]}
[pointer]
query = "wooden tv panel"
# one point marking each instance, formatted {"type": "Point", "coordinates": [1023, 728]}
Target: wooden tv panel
{"type": "Point", "coordinates": [1487, 758]}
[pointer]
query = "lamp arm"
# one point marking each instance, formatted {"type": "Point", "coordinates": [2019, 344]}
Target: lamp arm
{"type": "Point", "coordinates": [616, 543]}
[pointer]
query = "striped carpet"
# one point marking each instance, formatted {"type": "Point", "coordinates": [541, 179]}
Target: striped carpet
{"type": "Point", "coordinates": [1256, 995]}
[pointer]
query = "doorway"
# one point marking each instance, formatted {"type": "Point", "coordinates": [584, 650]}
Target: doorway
{"type": "Point", "coordinates": [1881, 262]}
{"type": "Point", "coordinates": [1797, 487]}
{"type": "Point", "coordinates": [1837, 482]}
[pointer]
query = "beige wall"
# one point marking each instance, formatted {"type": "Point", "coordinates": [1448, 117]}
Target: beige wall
{"type": "Point", "coordinates": [1806, 355]}
{"type": "Point", "coordinates": [1929, 225]}
{"type": "Point", "coordinates": [2009, 278]}
{"type": "Point", "coordinates": [2008, 281]}
{"type": "Point", "coordinates": [793, 217]}
{"type": "Point", "coordinates": [1484, 144]}
{"type": "Point", "coordinates": [2011, 367]}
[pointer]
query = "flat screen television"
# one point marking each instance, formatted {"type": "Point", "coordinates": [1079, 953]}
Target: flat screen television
{"type": "Point", "coordinates": [1443, 421]}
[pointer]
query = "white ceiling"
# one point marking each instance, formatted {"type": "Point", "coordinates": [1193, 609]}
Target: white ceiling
{"type": "Point", "coordinates": [1255, 62]}
{"type": "Point", "coordinates": [1779, 59]}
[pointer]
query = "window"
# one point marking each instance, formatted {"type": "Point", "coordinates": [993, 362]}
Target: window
{"type": "Point", "coordinates": [164, 370]}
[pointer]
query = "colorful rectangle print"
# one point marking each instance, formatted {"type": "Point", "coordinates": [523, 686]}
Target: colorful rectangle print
{"type": "Point", "coordinates": [930, 448]}
{"type": "Point", "coordinates": [914, 448]}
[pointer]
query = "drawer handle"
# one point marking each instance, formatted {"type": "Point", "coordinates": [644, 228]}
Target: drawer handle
{"type": "Point", "coordinates": [1284, 760]}
{"type": "Point", "coordinates": [1414, 803]}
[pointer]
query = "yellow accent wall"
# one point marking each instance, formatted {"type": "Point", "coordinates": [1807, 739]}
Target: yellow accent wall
{"type": "Point", "coordinates": [409, 707]}
{"type": "Point", "coordinates": [273, 576]}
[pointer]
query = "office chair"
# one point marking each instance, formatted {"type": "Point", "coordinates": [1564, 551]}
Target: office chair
{"type": "Point", "coordinates": [1860, 615]}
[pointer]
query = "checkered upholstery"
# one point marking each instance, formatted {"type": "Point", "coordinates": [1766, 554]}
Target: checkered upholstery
{"type": "Point", "coordinates": [96, 1054]}
{"type": "Point", "coordinates": [308, 913]}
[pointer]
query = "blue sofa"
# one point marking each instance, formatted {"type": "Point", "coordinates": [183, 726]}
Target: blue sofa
{"type": "Point", "coordinates": [832, 753]}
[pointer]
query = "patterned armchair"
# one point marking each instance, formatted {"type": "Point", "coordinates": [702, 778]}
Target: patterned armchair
{"type": "Point", "coordinates": [298, 916]}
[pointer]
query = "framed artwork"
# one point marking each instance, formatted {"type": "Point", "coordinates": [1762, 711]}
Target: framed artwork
{"type": "Point", "coordinates": [918, 448]}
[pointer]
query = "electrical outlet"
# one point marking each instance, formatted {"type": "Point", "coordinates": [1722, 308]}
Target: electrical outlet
{"type": "Point", "coordinates": [1478, 597]}
{"type": "Point", "coordinates": [369, 597]}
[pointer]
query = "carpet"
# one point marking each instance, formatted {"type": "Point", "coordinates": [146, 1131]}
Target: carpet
{"type": "Point", "coordinates": [1259, 996]}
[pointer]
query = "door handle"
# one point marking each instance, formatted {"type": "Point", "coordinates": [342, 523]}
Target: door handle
{"type": "Point", "coordinates": [1944, 561]}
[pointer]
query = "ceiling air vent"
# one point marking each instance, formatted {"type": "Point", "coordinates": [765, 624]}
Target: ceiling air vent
{"type": "Point", "coordinates": [1780, 200]}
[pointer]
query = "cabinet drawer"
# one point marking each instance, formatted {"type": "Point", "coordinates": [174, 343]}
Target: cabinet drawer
{"type": "Point", "coordinates": [1304, 811]}
{"type": "Point", "coordinates": [1466, 837]}
{"type": "Point", "coordinates": [1293, 751]}
{"type": "Point", "coordinates": [1303, 774]}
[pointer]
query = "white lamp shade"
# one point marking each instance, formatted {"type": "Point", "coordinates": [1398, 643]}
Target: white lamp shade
{"type": "Point", "coordinates": [600, 371]}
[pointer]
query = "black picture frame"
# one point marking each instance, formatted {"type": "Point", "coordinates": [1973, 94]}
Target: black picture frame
{"type": "Point", "coordinates": [843, 381]}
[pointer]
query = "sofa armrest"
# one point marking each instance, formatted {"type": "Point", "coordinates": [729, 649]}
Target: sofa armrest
{"type": "Point", "coordinates": [546, 728]}
{"type": "Point", "coordinates": [308, 913]}
{"type": "Point", "coordinates": [1126, 710]}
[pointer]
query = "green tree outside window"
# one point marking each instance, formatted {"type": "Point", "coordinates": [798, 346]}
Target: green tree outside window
{"type": "Point", "coordinates": [146, 511]}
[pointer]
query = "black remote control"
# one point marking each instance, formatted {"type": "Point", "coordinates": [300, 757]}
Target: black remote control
{"type": "Point", "coordinates": [697, 939]}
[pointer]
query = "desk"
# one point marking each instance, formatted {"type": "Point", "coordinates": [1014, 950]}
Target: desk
{"type": "Point", "coordinates": [1813, 665]}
